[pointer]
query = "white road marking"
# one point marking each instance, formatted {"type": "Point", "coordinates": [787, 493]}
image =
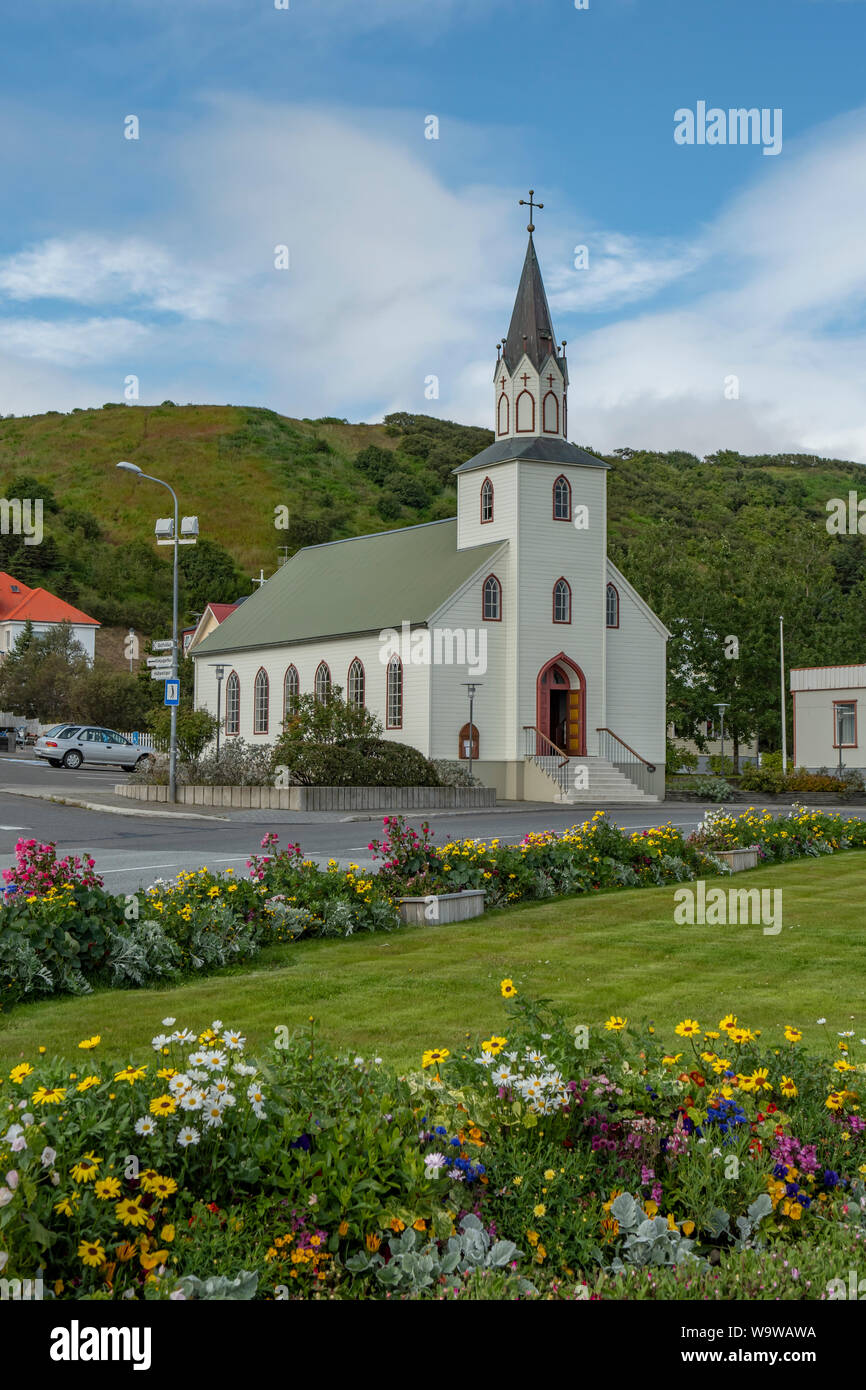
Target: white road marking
{"type": "Point", "coordinates": [137, 868]}
{"type": "Point", "coordinates": [14, 827]}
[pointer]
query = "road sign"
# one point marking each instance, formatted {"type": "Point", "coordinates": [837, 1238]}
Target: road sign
{"type": "Point", "coordinates": [162, 673]}
{"type": "Point", "coordinates": [164, 660]}
{"type": "Point", "coordinates": [172, 692]}
{"type": "Point", "coordinates": [163, 645]}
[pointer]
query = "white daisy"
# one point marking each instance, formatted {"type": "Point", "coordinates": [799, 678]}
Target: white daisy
{"type": "Point", "coordinates": [196, 1074]}
{"type": "Point", "coordinates": [160, 1041]}
{"type": "Point", "coordinates": [220, 1086]}
{"type": "Point", "coordinates": [216, 1061]}
{"type": "Point", "coordinates": [234, 1041]}
{"type": "Point", "coordinates": [217, 1025]}
{"type": "Point", "coordinates": [188, 1135]}
{"type": "Point", "coordinates": [191, 1100]}
{"type": "Point", "coordinates": [178, 1084]}
{"type": "Point", "coordinates": [146, 1125]}
{"type": "Point", "coordinates": [259, 1111]}
{"type": "Point", "coordinates": [241, 1069]}
{"type": "Point", "coordinates": [167, 1022]}
{"type": "Point", "coordinates": [198, 1059]}
{"type": "Point", "coordinates": [255, 1095]}
{"type": "Point", "coordinates": [501, 1077]}
{"type": "Point", "coordinates": [213, 1115]}
{"type": "Point", "coordinates": [183, 1036]}
{"type": "Point", "coordinates": [485, 1059]}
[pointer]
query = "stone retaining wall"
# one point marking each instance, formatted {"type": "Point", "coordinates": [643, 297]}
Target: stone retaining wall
{"type": "Point", "coordinates": [318, 798]}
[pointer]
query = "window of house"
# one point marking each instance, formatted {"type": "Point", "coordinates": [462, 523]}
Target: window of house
{"type": "Point", "coordinates": [233, 704]}
{"type": "Point", "coordinates": [355, 684]}
{"type": "Point", "coordinates": [486, 500]}
{"type": "Point", "coordinates": [394, 693]}
{"type": "Point", "coordinates": [261, 694]}
{"type": "Point", "coordinates": [561, 602]}
{"type": "Point", "coordinates": [291, 690]}
{"type": "Point", "coordinates": [323, 681]}
{"type": "Point", "coordinates": [612, 606]}
{"type": "Point", "coordinates": [845, 728]}
{"type": "Point", "coordinates": [492, 606]}
{"type": "Point", "coordinates": [562, 500]}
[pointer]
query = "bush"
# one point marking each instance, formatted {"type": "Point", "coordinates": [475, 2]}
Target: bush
{"type": "Point", "coordinates": [360, 763]}
{"type": "Point", "coordinates": [455, 774]}
{"type": "Point", "coordinates": [679, 759]}
{"type": "Point", "coordinates": [722, 767]}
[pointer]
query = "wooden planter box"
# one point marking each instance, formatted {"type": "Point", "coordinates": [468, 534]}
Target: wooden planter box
{"type": "Point", "coordinates": [737, 859]}
{"type": "Point", "coordinates": [439, 908]}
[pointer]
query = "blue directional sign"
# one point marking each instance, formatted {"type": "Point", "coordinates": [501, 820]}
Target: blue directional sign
{"type": "Point", "coordinates": [172, 692]}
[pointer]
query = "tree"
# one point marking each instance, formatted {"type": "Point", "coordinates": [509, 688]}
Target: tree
{"type": "Point", "coordinates": [195, 729]}
{"type": "Point", "coordinates": [39, 676]}
{"type": "Point", "coordinates": [104, 695]}
{"type": "Point", "coordinates": [209, 574]}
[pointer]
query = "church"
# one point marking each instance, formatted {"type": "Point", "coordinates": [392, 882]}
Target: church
{"type": "Point", "coordinates": [513, 602]}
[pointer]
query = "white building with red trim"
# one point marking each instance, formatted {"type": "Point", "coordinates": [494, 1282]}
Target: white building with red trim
{"type": "Point", "coordinates": [19, 604]}
{"type": "Point", "coordinates": [828, 719]}
{"type": "Point", "coordinates": [516, 594]}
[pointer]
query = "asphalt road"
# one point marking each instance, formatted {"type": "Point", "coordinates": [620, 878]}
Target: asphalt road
{"type": "Point", "coordinates": [131, 852]}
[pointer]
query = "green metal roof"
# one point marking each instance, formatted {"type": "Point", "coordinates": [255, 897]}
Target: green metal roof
{"type": "Point", "coordinates": [360, 585]}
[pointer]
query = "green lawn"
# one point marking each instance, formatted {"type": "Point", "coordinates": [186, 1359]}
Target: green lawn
{"type": "Point", "coordinates": [422, 987]}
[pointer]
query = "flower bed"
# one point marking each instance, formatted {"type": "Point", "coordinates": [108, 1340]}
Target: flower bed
{"type": "Point", "coordinates": [544, 1159]}
{"type": "Point", "coordinates": [61, 932]}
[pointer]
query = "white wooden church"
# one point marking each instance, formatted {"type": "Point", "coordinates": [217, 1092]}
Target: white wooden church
{"type": "Point", "coordinates": [515, 597]}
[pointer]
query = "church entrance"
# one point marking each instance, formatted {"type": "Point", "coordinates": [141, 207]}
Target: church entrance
{"type": "Point", "coordinates": [561, 705]}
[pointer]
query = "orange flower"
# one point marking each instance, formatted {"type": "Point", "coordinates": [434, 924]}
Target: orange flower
{"type": "Point", "coordinates": [397, 1225]}
{"type": "Point", "coordinates": [373, 1242]}
{"type": "Point", "coordinates": [420, 1224]}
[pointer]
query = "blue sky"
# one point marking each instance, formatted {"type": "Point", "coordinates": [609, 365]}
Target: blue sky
{"type": "Point", "coordinates": [722, 303]}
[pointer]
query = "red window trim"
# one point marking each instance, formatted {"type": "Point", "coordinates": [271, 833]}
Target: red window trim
{"type": "Point", "coordinates": [235, 732]}
{"type": "Point", "coordinates": [322, 664]}
{"type": "Point", "coordinates": [544, 428]}
{"type": "Point", "coordinates": [855, 744]}
{"type": "Point", "coordinates": [611, 626]}
{"type": "Point", "coordinates": [517, 429]}
{"type": "Point", "coordinates": [485, 521]}
{"type": "Point", "coordinates": [561, 479]}
{"type": "Point", "coordinates": [484, 617]}
{"type": "Point", "coordinates": [260, 733]}
{"type": "Point", "coordinates": [503, 397]}
{"type": "Point", "coordinates": [291, 667]}
{"type": "Point", "coordinates": [561, 622]}
{"type": "Point", "coordinates": [363, 704]}
{"type": "Point", "coordinates": [388, 724]}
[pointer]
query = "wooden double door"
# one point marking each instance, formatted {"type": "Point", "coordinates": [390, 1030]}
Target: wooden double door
{"type": "Point", "coordinates": [561, 706]}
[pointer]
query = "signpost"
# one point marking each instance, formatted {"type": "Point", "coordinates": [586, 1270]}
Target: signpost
{"type": "Point", "coordinates": [172, 692]}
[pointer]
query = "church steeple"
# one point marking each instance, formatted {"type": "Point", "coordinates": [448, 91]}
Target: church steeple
{"type": "Point", "coordinates": [531, 376]}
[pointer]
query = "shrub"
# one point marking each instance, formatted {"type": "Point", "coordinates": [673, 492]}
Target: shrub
{"type": "Point", "coordinates": [361, 763]}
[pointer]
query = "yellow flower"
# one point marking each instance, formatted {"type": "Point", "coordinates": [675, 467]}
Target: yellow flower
{"type": "Point", "coordinates": [343, 1228]}
{"type": "Point", "coordinates": [17, 1074]}
{"type": "Point", "coordinates": [494, 1045]}
{"type": "Point", "coordinates": [729, 1021]}
{"type": "Point", "coordinates": [87, 1043]}
{"type": "Point", "coordinates": [651, 1209]}
{"type": "Point", "coordinates": [48, 1095]}
{"type": "Point", "coordinates": [507, 990]}
{"type": "Point", "coordinates": [131, 1074]}
{"type": "Point", "coordinates": [420, 1224]}
{"type": "Point", "coordinates": [793, 1034]}
{"type": "Point", "coordinates": [167, 1234]}
{"type": "Point", "coordinates": [87, 1083]}
{"type": "Point", "coordinates": [615, 1024]}
{"type": "Point", "coordinates": [671, 1059]}
{"type": "Point", "coordinates": [163, 1105]}
{"type": "Point", "coordinates": [107, 1188]}
{"type": "Point", "coordinates": [130, 1212]}
{"type": "Point", "coordinates": [787, 1086]}
{"type": "Point", "coordinates": [434, 1056]}
{"type": "Point", "coordinates": [154, 1258]}
{"type": "Point", "coordinates": [549, 1175]}
{"type": "Point", "coordinates": [532, 1237]}
{"type": "Point", "coordinates": [159, 1186]}
{"type": "Point", "coordinates": [688, 1028]}
{"type": "Point", "coordinates": [539, 1210]}
{"type": "Point", "coordinates": [688, 1227]}
{"type": "Point", "coordinates": [372, 1242]}
{"type": "Point", "coordinates": [66, 1206]}
{"type": "Point", "coordinates": [91, 1252]}
{"type": "Point", "coordinates": [87, 1168]}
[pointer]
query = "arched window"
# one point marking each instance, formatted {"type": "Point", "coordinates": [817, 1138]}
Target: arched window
{"type": "Point", "coordinates": [550, 413]}
{"type": "Point", "coordinates": [291, 690]}
{"type": "Point", "coordinates": [562, 601]}
{"type": "Point", "coordinates": [491, 609]}
{"type": "Point", "coordinates": [394, 693]}
{"type": "Point", "coordinates": [502, 414]}
{"type": "Point", "coordinates": [464, 740]}
{"type": "Point", "coordinates": [323, 682]}
{"type": "Point", "coordinates": [524, 410]}
{"type": "Point", "coordinates": [562, 499]}
{"type": "Point", "coordinates": [355, 685]}
{"type": "Point", "coordinates": [261, 691]}
{"type": "Point", "coordinates": [612, 606]}
{"type": "Point", "coordinates": [486, 500]}
{"type": "Point", "coordinates": [233, 704]}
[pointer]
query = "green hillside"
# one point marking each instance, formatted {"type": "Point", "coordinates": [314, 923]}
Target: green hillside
{"type": "Point", "coordinates": [719, 547]}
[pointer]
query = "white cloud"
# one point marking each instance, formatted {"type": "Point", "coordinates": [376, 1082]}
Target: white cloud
{"type": "Point", "coordinates": [70, 342]}
{"type": "Point", "coordinates": [619, 270]}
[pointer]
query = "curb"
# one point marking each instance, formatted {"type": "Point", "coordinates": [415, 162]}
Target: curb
{"type": "Point", "coordinates": [110, 810]}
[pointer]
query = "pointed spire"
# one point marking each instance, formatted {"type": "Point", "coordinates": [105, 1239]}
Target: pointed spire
{"type": "Point", "coordinates": [531, 329]}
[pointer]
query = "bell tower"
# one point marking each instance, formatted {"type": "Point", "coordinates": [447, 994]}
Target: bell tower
{"type": "Point", "coordinates": [531, 375]}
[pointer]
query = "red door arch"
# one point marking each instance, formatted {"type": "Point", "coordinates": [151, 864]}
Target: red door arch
{"type": "Point", "coordinates": [561, 705]}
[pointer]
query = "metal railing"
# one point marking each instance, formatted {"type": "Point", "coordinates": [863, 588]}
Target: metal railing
{"type": "Point", "coordinates": [626, 760]}
{"type": "Point", "coordinates": [545, 753]}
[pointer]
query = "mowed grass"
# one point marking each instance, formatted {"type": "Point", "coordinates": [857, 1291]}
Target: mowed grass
{"type": "Point", "coordinates": [394, 994]}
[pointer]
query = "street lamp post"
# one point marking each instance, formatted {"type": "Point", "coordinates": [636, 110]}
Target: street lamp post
{"type": "Point", "coordinates": [721, 708]}
{"type": "Point", "coordinates": [220, 672]}
{"type": "Point", "coordinates": [839, 737]}
{"type": "Point", "coordinates": [471, 686]}
{"type": "Point", "coordinates": [172, 756]}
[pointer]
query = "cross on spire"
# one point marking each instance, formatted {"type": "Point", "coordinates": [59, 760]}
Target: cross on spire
{"type": "Point", "coordinates": [531, 205]}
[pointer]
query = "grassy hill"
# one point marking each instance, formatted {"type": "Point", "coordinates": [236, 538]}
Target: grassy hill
{"type": "Point", "coordinates": [728, 541]}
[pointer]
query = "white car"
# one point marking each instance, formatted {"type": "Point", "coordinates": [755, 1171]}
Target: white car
{"type": "Point", "coordinates": [70, 745]}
